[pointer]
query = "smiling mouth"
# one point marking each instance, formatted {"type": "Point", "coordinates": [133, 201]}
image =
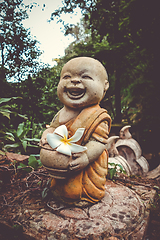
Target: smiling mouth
{"type": "Point", "coordinates": [75, 93]}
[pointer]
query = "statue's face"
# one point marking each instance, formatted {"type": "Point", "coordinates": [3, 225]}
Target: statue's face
{"type": "Point", "coordinates": [83, 82]}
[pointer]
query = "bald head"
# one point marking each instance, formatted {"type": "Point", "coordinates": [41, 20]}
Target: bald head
{"type": "Point", "coordinates": [83, 82]}
{"type": "Point", "coordinates": [80, 62]}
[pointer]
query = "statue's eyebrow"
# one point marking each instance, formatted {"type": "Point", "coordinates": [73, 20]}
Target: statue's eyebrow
{"type": "Point", "coordinates": [64, 73]}
{"type": "Point", "coordinates": [83, 71]}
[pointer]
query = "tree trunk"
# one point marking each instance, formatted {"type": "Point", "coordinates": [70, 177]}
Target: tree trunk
{"type": "Point", "coordinates": [2, 54]}
{"type": "Point", "coordinates": [117, 60]}
{"type": "Point", "coordinates": [118, 117]}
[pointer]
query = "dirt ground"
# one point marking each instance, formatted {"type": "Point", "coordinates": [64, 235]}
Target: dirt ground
{"type": "Point", "coordinates": [20, 190]}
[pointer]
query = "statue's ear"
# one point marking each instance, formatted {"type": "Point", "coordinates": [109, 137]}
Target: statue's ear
{"type": "Point", "coordinates": [106, 86]}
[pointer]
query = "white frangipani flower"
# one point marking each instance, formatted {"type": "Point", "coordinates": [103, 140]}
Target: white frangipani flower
{"type": "Point", "coordinates": [59, 139]}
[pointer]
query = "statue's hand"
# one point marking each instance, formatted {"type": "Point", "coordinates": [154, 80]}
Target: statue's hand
{"type": "Point", "coordinates": [43, 141]}
{"type": "Point", "coordinates": [80, 162]}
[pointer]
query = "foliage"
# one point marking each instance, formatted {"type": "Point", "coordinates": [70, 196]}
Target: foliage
{"type": "Point", "coordinates": [128, 47]}
{"type": "Point", "coordinates": [31, 91]}
{"type": "Point", "coordinates": [104, 19]}
{"type": "Point", "coordinates": [5, 109]}
{"type": "Point", "coordinates": [28, 133]}
{"type": "Point", "coordinates": [38, 95]}
{"type": "Point", "coordinates": [113, 169]}
{"type": "Point", "coordinates": [18, 50]}
{"type": "Point", "coordinates": [49, 100]}
{"type": "Point", "coordinates": [17, 139]}
{"type": "Point", "coordinates": [33, 164]}
{"type": "Point", "coordinates": [46, 190]}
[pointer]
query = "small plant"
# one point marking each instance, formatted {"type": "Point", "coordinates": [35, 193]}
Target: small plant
{"type": "Point", "coordinates": [33, 164]}
{"type": "Point", "coordinates": [28, 133]}
{"type": "Point", "coordinates": [17, 231]}
{"type": "Point", "coordinates": [113, 169]}
{"type": "Point", "coordinates": [18, 140]}
{"type": "Point", "coordinates": [6, 109]}
{"type": "Point", "coordinates": [18, 227]}
{"type": "Point", "coordinates": [36, 130]}
{"type": "Point", "coordinates": [46, 190]}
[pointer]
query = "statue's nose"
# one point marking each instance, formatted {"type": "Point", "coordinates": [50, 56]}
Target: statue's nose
{"type": "Point", "coordinates": [75, 81]}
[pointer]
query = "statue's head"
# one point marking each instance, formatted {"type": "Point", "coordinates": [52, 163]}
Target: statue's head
{"type": "Point", "coordinates": [83, 82]}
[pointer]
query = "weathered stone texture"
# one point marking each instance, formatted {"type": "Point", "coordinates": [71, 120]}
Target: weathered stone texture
{"type": "Point", "coordinates": [120, 215]}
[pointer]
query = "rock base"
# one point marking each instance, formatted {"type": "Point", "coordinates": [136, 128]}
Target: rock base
{"type": "Point", "coordinates": [121, 214]}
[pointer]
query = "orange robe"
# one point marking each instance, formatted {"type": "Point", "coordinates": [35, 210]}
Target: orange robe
{"type": "Point", "coordinates": [89, 183]}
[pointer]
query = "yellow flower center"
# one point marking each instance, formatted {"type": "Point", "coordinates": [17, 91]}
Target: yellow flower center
{"type": "Point", "coordinates": [65, 140]}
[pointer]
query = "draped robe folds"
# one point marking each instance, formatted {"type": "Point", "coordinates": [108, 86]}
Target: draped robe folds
{"type": "Point", "coordinates": [89, 183]}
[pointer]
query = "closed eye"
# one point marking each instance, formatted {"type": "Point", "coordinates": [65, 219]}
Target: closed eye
{"type": "Point", "coordinates": [86, 77]}
{"type": "Point", "coordinates": [66, 76]}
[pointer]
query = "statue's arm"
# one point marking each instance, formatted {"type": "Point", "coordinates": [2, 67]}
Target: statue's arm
{"type": "Point", "coordinates": [95, 147]}
{"type": "Point", "coordinates": [51, 129]}
{"type": "Point", "coordinates": [81, 160]}
{"type": "Point", "coordinates": [43, 140]}
{"type": "Point", "coordinates": [94, 150]}
{"type": "Point", "coordinates": [49, 157]}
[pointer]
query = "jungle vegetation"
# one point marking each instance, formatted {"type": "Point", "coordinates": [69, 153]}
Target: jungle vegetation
{"type": "Point", "coordinates": [122, 34]}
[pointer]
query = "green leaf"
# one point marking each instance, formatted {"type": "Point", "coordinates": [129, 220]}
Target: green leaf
{"type": "Point", "coordinates": [33, 139]}
{"type": "Point", "coordinates": [112, 164]}
{"type": "Point", "coordinates": [5, 107]}
{"type": "Point", "coordinates": [5, 114]}
{"type": "Point", "coordinates": [120, 167]}
{"type": "Point", "coordinates": [2, 153]}
{"type": "Point", "coordinates": [45, 192]}
{"type": "Point", "coordinates": [4, 100]}
{"type": "Point", "coordinates": [39, 183]}
{"type": "Point", "coordinates": [22, 116]}
{"type": "Point", "coordinates": [10, 136]}
{"type": "Point", "coordinates": [36, 155]}
{"type": "Point", "coordinates": [24, 143]}
{"type": "Point", "coordinates": [5, 111]}
{"type": "Point", "coordinates": [15, 145]}
{"type": "Point", "coordinates": [20, 129]}
{"type": "Point", "coordinates": [32, 161]}
{"type": "Point", "coordinates": [112, 172]}
{"type": "Point", "coordinates": [49, 182]}
{"type": "Point", "coordinates": [21, 165]}
{"type": "Point", "coordinates": [39, 162]}
{"type": "Point", "coordinates": [35, 146]}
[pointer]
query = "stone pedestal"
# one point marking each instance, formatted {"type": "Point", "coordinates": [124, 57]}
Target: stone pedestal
{"type": "Point", "coordinates": [121, 214]}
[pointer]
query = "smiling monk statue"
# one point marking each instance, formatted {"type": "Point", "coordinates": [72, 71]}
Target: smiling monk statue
{"type": "Point", "coordinates": [78, 170]}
